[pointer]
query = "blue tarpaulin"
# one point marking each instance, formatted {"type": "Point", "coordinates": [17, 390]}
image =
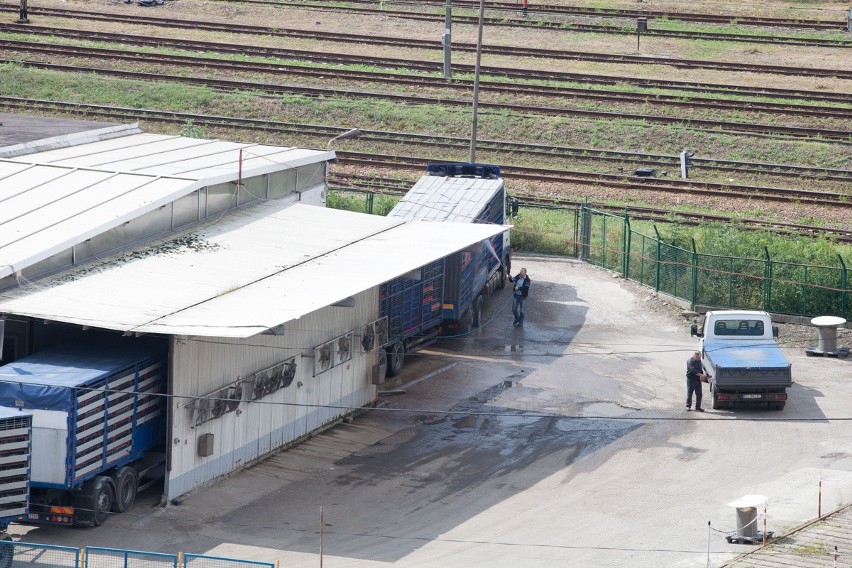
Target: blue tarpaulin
{"type": "Point", "coordinates": [45, 380]}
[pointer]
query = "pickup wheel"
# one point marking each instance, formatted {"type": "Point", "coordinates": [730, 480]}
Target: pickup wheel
{"type": "Point", "coordinates": [777, 405]}
{"type": "Point", "coordinates": [102, 500]}
{"type": "Point", "coordinates": [126, 487]}
{"type": "Point", "coordinates": [7, 551]}
{"type": "Point", "coordinates": [396, 358]}
{"type": "Point", "coordinates": [714, 403]}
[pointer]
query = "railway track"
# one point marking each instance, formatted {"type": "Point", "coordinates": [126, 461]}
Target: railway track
{"type": "Point", "coordinates": [793, 132]}
{"type": "Point", "coordinates": [536, 22]}
{"type": "Point", "coordinates": [503, 148]}
{"type": "Point", "coordinates": [66, 52]}
{"type": "Point", "coordinates": [398, 187]}
{"type": "Point", "coordinates": [419, 65]}
{"type": "Point", "coordinates": [618, 181]}
{"type": "Point", "coordinates": [596, 12]}
{"type": "Point", "coordinates": [514, 52]}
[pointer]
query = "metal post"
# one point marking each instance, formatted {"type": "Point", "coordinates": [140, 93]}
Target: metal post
{"type": "Point", "coordinates": [694, 274]}
{"type": "Point", "coordinates": [708, 544]}
{"type": "Point", "coordinates": [446, 40]}
{"type": "Point", "coordinates": [627, 235]}
{"type": "Point", "coordinates": [23, 14]}
{"type": "Point", "coordinates": [849, 20]}
{"type": "Point", "coordinates": [641, 27]}
{"type": "Point", "coordinates": [322, 523]}
{"type": "Point", "coordinates": [819, 499]}
{"type": "Point", "coordinates": [764, 524]}
{"type": "Point", "coordinates": [476, 84]}
{"type": "Point", "coordinates": [843, 287]}
{"type": "Point", "coordinates": [767, 283]}
{"type": "Point", "coordinates": [659, 247]}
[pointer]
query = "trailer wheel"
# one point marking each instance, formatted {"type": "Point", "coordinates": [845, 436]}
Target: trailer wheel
{"type": "Point", "coordinates": [102, 499]}
{"type": "Point", "coordinates": [126, 487]}
{"type": "Point", "coordinates": [476, 314]}
{"type": "Point", "coordinates": [7, 551]}
{"type": "Point", "coordinates": [396, 358]}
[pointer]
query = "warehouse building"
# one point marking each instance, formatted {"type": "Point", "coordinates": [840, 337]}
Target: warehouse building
{"type": "Point", "coordinates": [267, 304]}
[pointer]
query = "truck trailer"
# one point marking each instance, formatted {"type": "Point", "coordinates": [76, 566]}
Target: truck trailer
{"type": "Point", "coordinates": [739, 350]}
{"type": "Point", "coordinates": [448, 295]}
{"type": "Point", "coordinates": [97, 429]}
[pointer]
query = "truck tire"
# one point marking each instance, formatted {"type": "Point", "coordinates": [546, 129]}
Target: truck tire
{"type": "Point", "coordinates": [396, 358]}
{"type": "Point", "coordinates": [476, 312]}
{"type": "Point", "coordinates": [501, 282]}
{"type": "Point", "coordinates": [7, 551]}
{"type": "Point", "coordinates": [102, 497]}
{"type": "Point", "coordinates": [466, 321]}
{"type": "Point", "coordinates": [777, 405]}
{"type": "Point", "coordinates": [126, 487]}
{"type": "Point", "coordinates": [714, 403]}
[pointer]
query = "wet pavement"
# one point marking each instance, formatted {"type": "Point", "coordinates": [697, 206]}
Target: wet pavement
{"type": "Point", "coordinates": [560, 443]}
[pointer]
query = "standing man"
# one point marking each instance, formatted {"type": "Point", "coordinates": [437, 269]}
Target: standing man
{"type": "Point", "coordinates": [695, 374]}
{"type": "Point", "coordinates": [522, 288]}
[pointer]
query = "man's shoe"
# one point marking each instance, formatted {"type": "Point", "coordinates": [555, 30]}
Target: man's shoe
{"type": "Point", "coordinates": [699, 410]}
{"type": "Point", "coordinates": [688, 409]}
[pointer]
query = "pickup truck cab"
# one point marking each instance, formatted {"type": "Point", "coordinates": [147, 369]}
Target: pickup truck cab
{"type": "Point", "coordinates": [740, 351]}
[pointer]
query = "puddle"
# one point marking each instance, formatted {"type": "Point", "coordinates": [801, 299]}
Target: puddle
{"type": "Point", "coordinates": [604, 409]}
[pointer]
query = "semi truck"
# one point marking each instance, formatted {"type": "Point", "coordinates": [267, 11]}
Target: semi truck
{"type": "Point", "coordinates": [84, 425]}
{"type": "Point", "coordinates": [448, 295]}
{"type": "Point", "coordinates": [740, 351]}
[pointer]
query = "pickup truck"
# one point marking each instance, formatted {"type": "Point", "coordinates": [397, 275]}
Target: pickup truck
{"type": "Point", "coordinates": [740, 352]}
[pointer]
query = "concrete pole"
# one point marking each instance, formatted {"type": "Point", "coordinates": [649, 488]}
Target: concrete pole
{"type": "Point", "coordinates": [476, 84]}
{"type": "Point", "coordinates": [446, 40]}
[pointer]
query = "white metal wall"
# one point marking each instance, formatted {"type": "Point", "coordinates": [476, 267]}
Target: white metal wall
{"type": "Point", "coordinates": [202, 365]}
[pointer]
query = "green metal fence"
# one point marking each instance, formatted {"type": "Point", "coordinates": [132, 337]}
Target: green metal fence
{"type": "Point", "coordinates": [714, 280]}
{"type": "Point", "coordinates": [608, 240]}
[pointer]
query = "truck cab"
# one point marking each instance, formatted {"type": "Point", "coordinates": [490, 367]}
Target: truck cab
{"type": "Point", "coordinates": [739, 350]}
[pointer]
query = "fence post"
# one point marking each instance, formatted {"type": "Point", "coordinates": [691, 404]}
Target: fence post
{"type": "Point", "coordinates": [767, 281]}
{"type": "Point", "coordinates": [603, 241]}
{"type": "Point", "coordinates": [805, 289]}
{"type": "Point", "coordinates": [369, 203]}
{"type": "Point", "coordinates": [843, 284]}
{"type": "Point", "coordinates": [577, 214]}
{"type": "Point", "coordinates": [694, 297]}
{"type": "Point", "coordinates": [659, 247]}
{"type": "Point", "coordinates": [626, 247]}
{"type": "Point", "coordinates": [585, 234]}
{"type": "Point", "coordinates": [730, 282]}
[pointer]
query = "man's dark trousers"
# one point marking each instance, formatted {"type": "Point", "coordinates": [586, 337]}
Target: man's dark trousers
{"type": "Point", "coordinates": [693, 386]}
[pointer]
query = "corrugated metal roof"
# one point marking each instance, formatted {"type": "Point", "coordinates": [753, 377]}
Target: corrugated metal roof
{"type": "Point", "coordinates": [251, 271]}
{"type": "Point", "coordinates": [455, 199]}
{"type": "Point", "coordinates": [55, 199]}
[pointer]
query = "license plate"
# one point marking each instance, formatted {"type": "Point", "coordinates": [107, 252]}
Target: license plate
{"type": "Point", "coordinates": [33, 516]}
{"type": "Point", "coordinates": [752, 396]}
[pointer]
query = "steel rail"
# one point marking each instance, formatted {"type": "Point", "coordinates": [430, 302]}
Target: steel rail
{"type": "Point", "coordinates": [433, 45]}
{"type": "Point", "coordinates": [578, 27]}
{"type": "Point", "coordinates": [419, 65]}
{"type": "Point", "coordinates": [431, 141]}
{"type": "Point", "coordinates": [557, 9]}
{"type": "Point", "coordinates": [66, 51]}
{"type": "Point", "coordinates": [797, 132]}
{"type": "Point", "coordinates": [395, 186]}
{"type": "Point", "coordinates": [630, 183]}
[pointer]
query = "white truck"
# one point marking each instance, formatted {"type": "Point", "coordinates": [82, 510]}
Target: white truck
{"type": "Point", "coordinates": [740, 351]}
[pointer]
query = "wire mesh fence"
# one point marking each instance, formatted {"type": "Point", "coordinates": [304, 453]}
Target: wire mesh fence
{"type": "Point", "coordinates": [30, 555]}
{"type": "Point", "coordinates": [203, 561]}
{"type": "Point", "coordinates": [97, 557]}
{"type": "Point", "coordinates": [714, 280]}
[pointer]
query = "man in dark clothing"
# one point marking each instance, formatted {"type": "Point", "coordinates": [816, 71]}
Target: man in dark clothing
{"type": "Point", "coordinates": [519, 295]}
{"type": "Point", "coordinates": [694, 374]}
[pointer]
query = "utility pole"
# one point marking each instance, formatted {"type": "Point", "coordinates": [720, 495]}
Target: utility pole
{"type": "Point", "coordinates": [23, 14]}
{"type": "Point", "coordinates": [446, 40]}
{"type": "Point", "coordinates": [476, 84]}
